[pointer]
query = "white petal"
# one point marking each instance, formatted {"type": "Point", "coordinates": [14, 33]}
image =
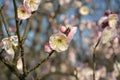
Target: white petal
{"type": "Point", "coordinates": [19, 65]}
{"type": "Point", "coordinates": [108, 34]}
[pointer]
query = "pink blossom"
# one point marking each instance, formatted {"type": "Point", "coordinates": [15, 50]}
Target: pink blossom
{"type": "Point", "coordinates": [99, 33]}
{"type": "Point", "coordinates": [108, 34]}
{"type": "Point", "coordinates": [59, 42]}
{"type": "Point", "coordinates": [23, 12]}
{"type": "Point", "coordinates": [72, 32]}
{"type": "Point", "coordinates": [113, 20]}
{"type": "Point", "coordinates": [32, 4]}
{"type": "Point", "coordinates": [63, 29]}
{"type": "Point", "coordinates": [47, 48]}
{"type": "Point", "coordinates": [19, 65]}
{"type": "Point", "coordinates": [103, 22]}
{"type": "Point", "coordinates": [116, 40]}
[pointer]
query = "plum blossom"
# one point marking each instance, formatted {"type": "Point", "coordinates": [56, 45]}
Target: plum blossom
{"type": "Point", "coordinates": [14, 40]}
{"type": "Point", "coordinates": [103, 22]}
{"type": "Point", "coordinates": [113, 19]}
{"type": "Point", "coordinates": [32, 4]}
{"type": "Point", "coordinates": [108, 34]}
{"type": "Point", "coordinates": [59, 42]}
{"type": "Point", "coordinates": [109, 24]}
{"type": "Point", "coordinates": [47, 48]}
{"type": "Point", "coordinates": [71, 33]}
{"type": "Point", "coordinates": [8, 43]}
{"type": "Point", "coordinates": [23, 12]}
{"type": "Point", "coordinates": [109, 19]}
{"type": "Point", "coordinates": [19, 65]}
{"type": "Point", "coordinates": [84, 10]}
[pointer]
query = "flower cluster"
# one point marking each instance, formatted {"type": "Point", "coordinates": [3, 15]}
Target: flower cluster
{"type": "Point", "coordinates": [109, 19]}
{"type": "Point", "coordinates": [8, 44]}
{"type": "Point", "coordinates": [60, 41]}
{"type": "Point", "coordinates": [109, 25]}
{"type": "Point", "coordinates": [24, 11]}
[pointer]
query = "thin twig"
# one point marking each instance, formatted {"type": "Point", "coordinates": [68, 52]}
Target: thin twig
{"type": "Point", "coordinates": [26, 30]}
{"type": "Point", "coordinates": [76, 75]}
{"type": "Point", "coordinates": [5, 23]}
{"type": "Point", "coordinates": [11, 67]}
{"type": "Point", "coordinates": [16, 20]}
{"type": "Point", "coordinates": [43, 61]}
{"type": "Point", "coordinates": [18, 34]}
{"type": "Point", "coordinates": [1, 51]}
{"type": "Point", "coordinates": [94, 58]}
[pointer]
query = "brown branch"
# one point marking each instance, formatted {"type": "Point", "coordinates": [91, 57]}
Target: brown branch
{"type": "Point", "coordinates": [18, 34]}
{"type": "Point", "coordinates": [94, 58]}
{"type": "Point", "coordinates": [76, 75]}
{"type": "Point", "coordinates": [11, 67]}
{"type": "Point", "coordinates": [26, 30]}
{"type": "Point", "coordinates": [1, 51]}
{"type": "Point", "coordinates": [4, 21]}
{"type": "Point", "coordinates": [16, 20]}
{"type": "Point", "coordinates": [40, 63]}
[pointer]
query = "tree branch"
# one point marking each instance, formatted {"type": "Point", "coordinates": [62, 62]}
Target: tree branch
{"type": "Point", "coordinates": [26, 30]}
{"type": "Point", "coordinates": [5, 23]}
{"type": "Point", "coordinates": [94, 58]}
{"type": "Point", "coordinates": [18, 34]}
{"type": "Point", "coordinates": [40, 63]}
{"type": "Point", "coordinates": [11, 67]}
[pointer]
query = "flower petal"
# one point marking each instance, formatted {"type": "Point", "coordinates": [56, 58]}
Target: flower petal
{"type": "Point", "coordinates": [108, 34]}
{"type": "Point", "coordinates": [113, 19]}
{"type": "Point", "coordinates": [59, 42]}
{"type": "Point", "coordinates": [72, 32]}
{"type": "Point", "coordinates": [32, 4]}
{"type": "Point", "coordinates": [23, 12]}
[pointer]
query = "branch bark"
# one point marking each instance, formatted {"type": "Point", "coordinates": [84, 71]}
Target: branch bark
{"type": "Point", "coordinates": [4, 21]}
{"type": "Point", "coordinates": [19, 39]}
{"type": "Point", "coordinates": [40, 63]}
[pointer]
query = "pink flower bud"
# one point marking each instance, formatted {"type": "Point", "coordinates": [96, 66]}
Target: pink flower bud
{"type": "Point", "coordinates": [99, 33]}
{"type": "Point", "coordinates": [63, 29]}
{"type": "Point", "coordinates": [47, 48]}
{"type": "Point", "coordinates": [116, 40]}
{"type": "Point", "coordinates": [72, 32]}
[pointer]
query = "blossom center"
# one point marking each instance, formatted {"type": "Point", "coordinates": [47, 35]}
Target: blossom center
{"type": "Point", "coordinates": [31, 2]}
{"type": "Point", "coordinates": [23, 11]}
{"type": "Point", "coordinates": [59, 40]}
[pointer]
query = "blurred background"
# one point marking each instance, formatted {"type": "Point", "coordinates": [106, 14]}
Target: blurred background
{"type": "Point", "coordinates": [84, 14]}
